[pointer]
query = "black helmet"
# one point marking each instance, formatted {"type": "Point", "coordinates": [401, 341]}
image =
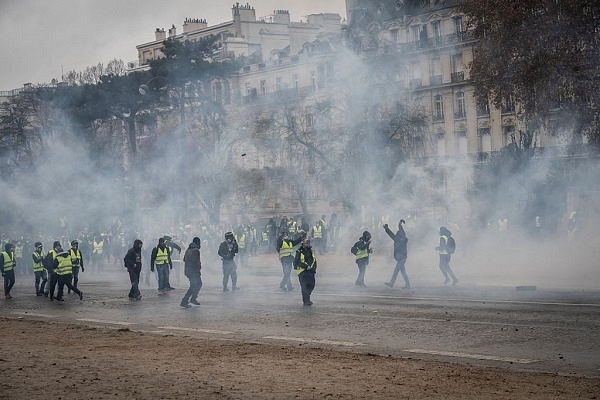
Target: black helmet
{"type": "Point", "coordinates": [366, 236]}
{"type": "Point", "coordinates": [74, 242]}
{"type": "Point", "coordinates": [37, 244]}
{"type": "Point", "coordinates": [229, 235]}
{"type": "Point", "coordinates": [9, 247]}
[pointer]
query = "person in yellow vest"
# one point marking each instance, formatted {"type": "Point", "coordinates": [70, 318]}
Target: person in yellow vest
{"type": "Point", "coordinates": [41, 275]}
{"type": "Point", "coordinates": [77, 260]}
{"type": "Point", "coordinates": [362, 250]}
{"type": "Point", "coordinates": [242, 241]}
{"type": "Point", "coordinates": [52, 276]}
{"type": "Point", "coordinates": [317, 236]}
{"type": "Point", "coordinates": [305, 264]}
{"type": "Point", "coordinates": [98, 253]}
{"type": "Point", "coordinates": [172, 245]}
{"type": "Point", "coordinates": [285, 248]}
{"type": "Point", "coordinates": [7, 267]}
{"type": "Point", "coordinates": [324, 233]}
{"type": "Point", "coordinates": [63, 267]}
{"type": "Point", "coordinates": [161, 258]}
{"type": "Point", "coordinates": [446, 255]}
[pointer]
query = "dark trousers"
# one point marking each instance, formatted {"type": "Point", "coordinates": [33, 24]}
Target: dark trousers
{"type": "Point", "coordinates": [40, 277]}
{"type": "Point", "coordinates": [163, 276]}
{"type": "Point", "coordinates": [400, 268]}
{"type": "Point", "coordinates": [445, 268]}
{"type": "Point", "coordinates": [307, 284]}
{"type": "Point", "coordinates": [134, 278]}
{"type": "Point", "coordinates": [362, 268]}
{"type": "Point", "coordinates": [286, 265]}
{"type": "Point", "coordinates": [195, 286]}
{"type": "Point", "coordinates": [75, 279]}
{"type": "Point", "coordinates": [9, 281]}
{"type": "Point", "coordinates": [52, 281]}
{"type": "Point", "coordinates": [65, 280]}
{"type": "Point", "coordinates": [229, 271]}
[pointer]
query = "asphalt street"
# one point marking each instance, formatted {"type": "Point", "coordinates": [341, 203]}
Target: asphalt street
{"type": "Point", "coordinates": [551, 330]}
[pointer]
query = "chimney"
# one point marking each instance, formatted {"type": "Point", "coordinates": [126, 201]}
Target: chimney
{"type": "Point", "coordinates": [194, 24]}
{"type": "Point", "coordinates": [160, 34]}
{"type": "Point", "coordinates": [172, 31]}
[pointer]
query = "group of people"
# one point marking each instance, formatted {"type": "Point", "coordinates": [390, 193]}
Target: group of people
{"type": "Point", "coordinates": [361, 249]}
{"type": "Point", "coordinates": [55, 268]}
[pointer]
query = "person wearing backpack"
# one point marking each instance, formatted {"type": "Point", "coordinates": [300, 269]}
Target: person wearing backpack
{"type": "Point", "coordinates": [446, 248]}
{"type": "Point", "coordinates": [362, 250]}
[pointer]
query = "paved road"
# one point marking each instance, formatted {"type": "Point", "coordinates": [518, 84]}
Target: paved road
{"type": "Point", "coordinates": [544, 330]}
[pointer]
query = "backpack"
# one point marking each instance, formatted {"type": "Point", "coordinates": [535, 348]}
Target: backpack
{"type": "Point", "coordinates": [451, 245]}
{"type": "Point", "coordinates": [354, 248]}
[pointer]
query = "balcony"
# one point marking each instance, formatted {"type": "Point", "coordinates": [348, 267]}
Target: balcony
{"type": "Point", "coordinates": [457, 76]}
{"type": "Point", "coordinates": [435, 80]}
{"type": "Point", "coordinates": [415, 83]}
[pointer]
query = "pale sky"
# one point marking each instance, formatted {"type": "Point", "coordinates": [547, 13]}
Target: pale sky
{"type": "Point", "coordinates": [41, 39]}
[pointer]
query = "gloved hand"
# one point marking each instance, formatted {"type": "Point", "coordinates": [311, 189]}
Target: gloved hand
{"type": "Point", "coordinates": [3, 274]}
{"type": "Point", "coordinates": [82, 269]}
{"type": "Point", "coordinates": [385, 226]}
{"type": "Point", "coordinates": [151, 269]}
{"type": "Point", "coordinates": [170, 267]}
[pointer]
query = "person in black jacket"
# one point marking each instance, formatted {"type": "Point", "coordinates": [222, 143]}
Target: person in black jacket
{"type": "Point", "coordinates": [400, 254]}
{"type": "Point", "coordinates": [133, 263]}
{"type": "Point", "coordinates": [192, 267]}
{"type": "Point", "coordinates": [227, 251]}
{"type": "Point", "coordinates": [305, 264]}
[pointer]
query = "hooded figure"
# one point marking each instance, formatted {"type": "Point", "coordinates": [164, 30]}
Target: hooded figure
{"type": "Point", "coordinates": [227, 251]}
{"type": "Point", "coordinates": [445, 250]}
{"type": "Point", "coordinates": [362, 248]}
{"type": "Point", "coordinates": [192, 267]}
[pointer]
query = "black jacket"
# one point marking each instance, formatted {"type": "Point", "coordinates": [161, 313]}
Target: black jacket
{"type": "Point", "coordinates": [400, 243]}
{"type": "Point", "coordinates": [191, 259]}
{"type": "Point", "coordinates": [133, 259]}
{"type": "Point", "coordinates": [226, 251]}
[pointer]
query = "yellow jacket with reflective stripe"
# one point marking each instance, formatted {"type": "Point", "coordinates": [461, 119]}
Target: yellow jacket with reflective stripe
{"type": "Point", "coordinates": [38, 266]}
{"type": "Point", "coordinates": [162, 256]}
{"type": "Point", "coordinates": [65, 266]}
{"type": "Point", "coordinates": [9, 261]}
{"type": "Point", "coordinates": [286, 249]}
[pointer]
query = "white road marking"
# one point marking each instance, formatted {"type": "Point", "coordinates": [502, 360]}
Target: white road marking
{"type": "Point", "coordinates": [320, 341]}
{"type": "Point", "coordinates": [101, 321]}
{"type": "Point", "coordinates": [178, 328]}
{"type": "Point", "coordinates": [33, 314]}
{"type": "Point", "coordinates": [475, 356]}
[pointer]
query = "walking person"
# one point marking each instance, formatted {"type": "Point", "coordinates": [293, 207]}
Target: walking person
{"type": "Point", "coordinates": [52, 276]}
{"type": "Point", "coordinates": [305, 264]}
{"type": "Point", "coordinates": [161, 258]}
{"type": "Point", "coordinates": [40, 273]}
{"type": "Point", "coordinates": [133, 263]}
{"type": "Point", "coordinates": [400, 254]}
{"type": "Point", "coordinates": [77, 260]}
{"type": "Point", "coordinates": [285, 248]}
{"type": "Point", "coordinates": [227, 251]}
{"type": "Point", "coordinates": [361, 250]}
{"type": "Point", "coordinates": [192, 267]}
{"type": "Point", "coordinates": [446, 248]}
{"type": "Point", "coordinates": [7, 267]}
{"type": "Point", "coordinates": [63, 268]}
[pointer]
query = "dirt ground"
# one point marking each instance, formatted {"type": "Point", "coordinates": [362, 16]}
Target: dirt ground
{"type": "Point", "coordinates": [51, 360]}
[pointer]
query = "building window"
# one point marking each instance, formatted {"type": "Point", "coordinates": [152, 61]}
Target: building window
{"type": "Point", "coordinates": [508, 134]}
{"type": "Point", "coordinates": [462, 142]}
{"type": "Point", "coordinates": [485, 139]}
{"type": "Point", "coordinates": [278, 83]}
{"type": "Point", "coordinates": [436, 72]}
{"type": "Point", "coordinates": [310, 118]}
{"type": "Point", "coordinates": [508, 105]}
{"type": "Point", "coordinates": [484, 109]}
{"type": "Point", "coordinates": [263, 86]}
{"type": "Point", "coordinates": [395, 36]}
{"type": "Point", "coordinates": [437, 31]}
{"type": "Point", "coordinates": [460, 111]}
{"type": "Point", "coordinates": [415, 33]}
{"type": "Point", "coordinates": [441, 145]}
{"type": "Point", "coordinates": [438, 108]}
{"type": "Point", "coordinates": [296, 81]}
{"type": "Point", "coordinates": [458, 25]}
{"type": "Point", "coordinates": [248, 89]}
{"type": "Point", "coordinates": [313, 80]}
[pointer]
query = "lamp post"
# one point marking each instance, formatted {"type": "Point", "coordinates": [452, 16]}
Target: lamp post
{"type": "Point", "coordinates": [144, 90]}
